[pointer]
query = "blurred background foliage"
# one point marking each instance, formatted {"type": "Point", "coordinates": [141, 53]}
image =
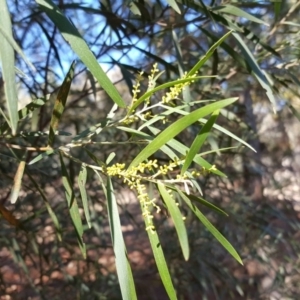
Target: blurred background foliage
{"type": "Point", "coordinates": [261, 193]}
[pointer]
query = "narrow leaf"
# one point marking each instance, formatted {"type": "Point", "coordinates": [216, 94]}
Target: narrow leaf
{"type": "Point", "coordinates": [81, 184]}
{"type": "Point", "coordinates": [111, 156]}
{"type": "Point", "coordinates": [233, 10]}
{"type": "Point", "coordinates": [177, 127]}
{"type": "Point", "coordinates": [174, 5]}
{"type": "Point", "coordinates": [41, 156]}
{"type": "Point", "coordinates": [207, 204]}
{"type": "Point", "coordinates": [259, 74]}
{"type": "Point", "coordinates": [7, 57]}
{"type": "Point", "coordinates": [16, 47]}
{"type": "Point", "coordinates": [139, 8]}
{"type": "Point", "coordinates": [72, 205]}
{"type": "Point", "coordinates": [182, 149]}
{"type": "Point", "coordinates": [177, 219]}
{"type": "Point", "coordinates": [201, 201]}
{"type": "Point", "coordinates": [290, 23]}
{"type": "Point", "coordinates": [80, 47]}
{"type": "Point", "coordinates": [208, 54]}
{"type": "Point", "coordinates": [222, 240]}
{"type": "Point", "coordinates": [215, 126]}
{"type": "Point", "coordinates": [158, 254]}
{"type": "Point", "coordinates": [199, 141]}
{"type": "Point", "coordinates": [122, 264]}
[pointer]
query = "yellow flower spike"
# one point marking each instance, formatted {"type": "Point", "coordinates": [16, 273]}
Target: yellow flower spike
{"type": "Point", "coordinates": [135, 87]}
{"type": "Point", "coordinates": [133, 178]}
{"type": "Point", "coordinates": [177, 89]}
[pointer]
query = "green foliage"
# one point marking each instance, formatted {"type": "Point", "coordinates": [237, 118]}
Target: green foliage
{"type": "Point", "coordinates": [7, 58]}
{"type": "Point", "coordinates": [162, 144]}
{"type": "Point", "coordinates": [141, 171]}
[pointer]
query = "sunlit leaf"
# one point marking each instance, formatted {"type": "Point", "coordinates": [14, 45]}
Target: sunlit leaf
{"type": "Point", "coordinates": [182, 149]}
{"type": "Point", "coordinates": [186, 90]}
{"type": "Point", "coordinates": [146, 136]}
{"type": "Point", "coordinates": [110, 158]}
{"type": "Point", "coordinates": [208, 54]}
{"type": "Point", "coordinates": [202, 120]}
{"type": "Point", "coordinates": [42, 155]}
{"type": "Point", "coordinates": [174, 5]}
{"type": "Point", "coordinates": [80, 47]}
{"type": "Point", "coordinates": [177, 127]}
{"type": "Point", "coordinates": [234, 54]}
{"type": "Point", "coordinates": [138, 8]}
{"type": "Point", "coordinates": [94, 158]}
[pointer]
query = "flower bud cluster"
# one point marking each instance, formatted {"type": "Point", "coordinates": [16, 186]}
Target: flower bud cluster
{"type": "Point", "coordinates": [164, 170]}
{"type": "Point", "coordinates": [136, 87]}
{"type": "Point", "coordinates": [177, 89]}
{"type": "Point", "coordinates": [130, 119]}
